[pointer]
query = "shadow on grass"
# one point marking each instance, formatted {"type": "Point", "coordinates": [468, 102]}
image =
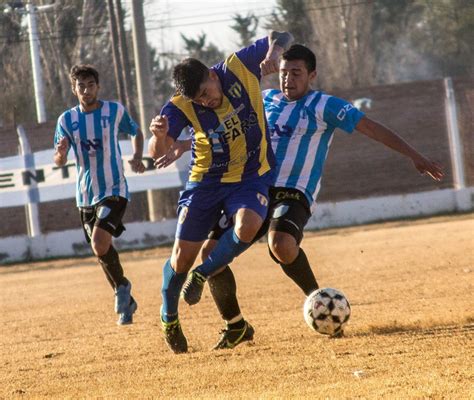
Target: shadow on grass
{"type": "Point", "coordinates": [394, 328]}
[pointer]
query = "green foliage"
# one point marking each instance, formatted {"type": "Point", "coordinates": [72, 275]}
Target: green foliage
{"type": "Point", "coordinates": [292, 16]}
{"type": "Point", "coordinates": [209, 54]}
{"type": "Point", "coordinates": [162, 72]}
{"type": "Point", "coordinates": [246, 27]}
{"type": "Point", "coordinates": [73, 32]}
{"type": "Point", "coordinates": [423, 39]}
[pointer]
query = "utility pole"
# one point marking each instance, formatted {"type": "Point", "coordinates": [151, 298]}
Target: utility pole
{"type": "Point", "coordinates": [30, 10]}
{"type": "Point", "coordinates": [123, 51]}
{"type": "Point", "coordinates": [115, 52]}
{"type": "Point", "coordinates": [144, 85]}
{"type": "Point", "coordinates": [35, 60]}
{"type": "Point", "coordinates": [142, 66]}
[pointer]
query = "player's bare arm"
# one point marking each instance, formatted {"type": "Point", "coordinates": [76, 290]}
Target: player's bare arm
{"type": "Point", "coordinates": [136, 162]}
{"type": "Point", "coordinates": [176, 151]}
{"type": "Point", "coordinates": [278, 43]}
{"type": "Point", "coordinates": [160, 142]}
{"type": "Point", "coordinates": [60, 155]}
{"type": "Point", "coordinates": [389, 138]}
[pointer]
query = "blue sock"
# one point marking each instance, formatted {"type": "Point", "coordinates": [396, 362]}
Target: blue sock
{"type": "Point", "coordinates": [172, 284]}
{"type": "Point", "coordinates": [228, 247]}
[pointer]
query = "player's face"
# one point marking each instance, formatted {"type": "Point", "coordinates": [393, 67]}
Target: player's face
{"type": "Point", "coordinates": [86, 89]}
{"type": "Point", "coordinates": [295, 80]}
{"type": "Point", "coordinates": [210, 92]}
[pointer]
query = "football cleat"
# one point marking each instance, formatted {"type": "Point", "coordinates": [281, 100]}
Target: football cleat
{"type": "Point", "coordinates": [232, 337]}
{"type": "Point", "coordinates": [126, 318]}
{"type": "Point", "coordinates": [174, 336]}
{"type": "Point", "coordinates": [122, 298]}
{"type": "Point", "coordinates": [193, 287]}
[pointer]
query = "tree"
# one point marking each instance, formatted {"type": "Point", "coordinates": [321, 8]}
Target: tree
{"type": "Point", "coordinates": [162, 72]}
{"type": "Point", "coordinates": [14, 53]}
{"type": "Point", "coordinates": [292, 16]}
{"type": "Point", "coordinates": [246, 27]}
{"type": "Point", "coordinates": [209, 54]}
{"type": "Point", "coordinates": [342, 43]}
{"type": "Point", "coordinates": [72, 33]}
{"type": "Point", "coordinates": [361, 43]}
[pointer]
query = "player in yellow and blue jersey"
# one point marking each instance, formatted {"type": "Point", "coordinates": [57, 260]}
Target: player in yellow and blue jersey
{"type": "Point", "coordinates": [231, 165]}
{"type": "Point", "coordinates": [91, 130]}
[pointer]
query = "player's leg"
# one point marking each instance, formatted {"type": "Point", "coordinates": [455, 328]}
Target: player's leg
{"type": "Point", "coordinates": [108, 223]}
{"type": "Point", "coordinates": [175, 271]}
{"type": "Point", "coordinates": [249, 203]}
{"type": "Point", "coordinates": [88, 221]}
{"type": "Point", "coordinates": [222, 285]}
{"type": "Point", "coordinates": [287, 221]}
{"type": "Point", "coordinates": [105, 222]}
{"type": "Point", "coordinates": [198, 211]}
{"type": "Point", "coordinates": [174, 274]}
{"type": "Point", "coordinates": [223, 289]}
{"type": "Point", "coordinates": [224, 292]}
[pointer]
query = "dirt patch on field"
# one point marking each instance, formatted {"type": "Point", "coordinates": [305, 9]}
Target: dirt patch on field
{"type": "Point", "coordinates": [410, 336]}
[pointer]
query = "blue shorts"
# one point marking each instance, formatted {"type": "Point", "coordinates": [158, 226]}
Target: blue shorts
{"type": "Point", "coordinates": [200, 207]}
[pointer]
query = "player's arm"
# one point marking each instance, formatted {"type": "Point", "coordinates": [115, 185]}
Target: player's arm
{"type": "Point", "coordinates": [137, 144]}
{"type": "Point", "coordinates": [278, 42]}
{"type": "Point", "coordinates": [176, 151]}
{"type": "Point", "coordinates": [60, 155]}
{"type": "Point", "coordinates": [389, 138]}
{"type": "Point", "coordinates": [160, 142]}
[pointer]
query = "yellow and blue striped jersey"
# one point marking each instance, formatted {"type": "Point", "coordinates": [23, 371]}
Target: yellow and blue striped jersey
{"type": "Point", "coordinates": [230, 143]}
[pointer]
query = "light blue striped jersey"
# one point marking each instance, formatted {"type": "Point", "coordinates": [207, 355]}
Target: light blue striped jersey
{"type": "Point", "coordinates": [301, 133]}
{"type": "Point", "coordinates": [94, 138]}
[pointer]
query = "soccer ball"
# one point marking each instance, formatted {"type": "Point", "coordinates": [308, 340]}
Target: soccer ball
{"type": "Point", "coordinates": [327, 311]}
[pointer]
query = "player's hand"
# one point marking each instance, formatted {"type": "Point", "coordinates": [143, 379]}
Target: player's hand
{"type": "Point", "coordinates": [171, 156]}
{"type": "Point", "coordinates": [159, 126]}
{"type": "Point", "coordinates": [428, 167]}
{"type": "Point", "coordinates": [62, 146]}
{"type": "Point", "coordinates": [270, 65]}
{"type": "Point", "coordinates": [137, 165]}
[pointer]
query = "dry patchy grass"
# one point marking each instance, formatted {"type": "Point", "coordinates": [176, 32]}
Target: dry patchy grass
{"type": "Point", "coordinates": [410, 336]}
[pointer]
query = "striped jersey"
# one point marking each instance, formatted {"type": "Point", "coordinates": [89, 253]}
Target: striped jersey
{"type": "Point", "coordinates": [301, 133]}
{"type": "Point", "coordinates": [231, 143]}
{"type": "Point", "coordinates": [93, 137]}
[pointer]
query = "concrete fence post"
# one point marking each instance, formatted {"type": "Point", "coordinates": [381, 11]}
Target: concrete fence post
{"type": "Point", "coordinates": [462, 195]}
{"type": "Point", "coordinates": [33, 194]}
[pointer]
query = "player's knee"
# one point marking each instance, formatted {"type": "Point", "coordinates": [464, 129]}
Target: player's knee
{"type": "Point", "coordinates": [206, 249]}
{"type": "Point", "coordinates": [247, 231]}
{"type": "Point", "coordinates": [283, 250]}
{"type": "Point", "coordinates": [182, 263]}
{"type": "Point", "coordinates": [99, 247]}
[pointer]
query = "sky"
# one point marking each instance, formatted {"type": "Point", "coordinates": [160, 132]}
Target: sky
{"type": "Point", "coordinates": [166, 19]}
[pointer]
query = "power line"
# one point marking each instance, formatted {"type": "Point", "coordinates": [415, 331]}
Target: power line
{"type": "Point", "coordinates": [213, 14]}
{"type": "Point", "coordinates": [44, 36]}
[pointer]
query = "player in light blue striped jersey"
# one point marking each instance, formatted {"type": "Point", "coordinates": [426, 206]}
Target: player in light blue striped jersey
{"type": "Point", "coordinates": [91, 129]}
{"type": "Point", "coordinates": [302, 122]}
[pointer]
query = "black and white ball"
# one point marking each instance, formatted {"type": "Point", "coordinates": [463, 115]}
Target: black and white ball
{"type": "Point", "coordinates": [327, 311]}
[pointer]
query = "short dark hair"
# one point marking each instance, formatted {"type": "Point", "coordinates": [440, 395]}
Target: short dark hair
{"type": "Point", "coordinates": [83, 71]}
{"type": "Point", "coordinates": [300, 52]}
{"type": "Point", "coordinates": [188, 76]}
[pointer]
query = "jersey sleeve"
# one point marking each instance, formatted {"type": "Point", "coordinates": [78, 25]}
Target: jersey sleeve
{"type": "Point", "coordinates": [341, 114]}
{"type": "Point", "coordinates": [177, 120]}
{"type": "Point", "coordinates": [127, 124]}
{"type": "Point", "coordinates": [253, 55]}
{"type": "Point", "coordinates": [61, 132]}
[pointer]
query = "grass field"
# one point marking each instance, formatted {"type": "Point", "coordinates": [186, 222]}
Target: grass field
{"type": "Point", "coordinates": [411, 333]}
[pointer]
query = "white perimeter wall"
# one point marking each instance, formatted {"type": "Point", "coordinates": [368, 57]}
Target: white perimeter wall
{"type": "Point", "coordinates": [148, 234]}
